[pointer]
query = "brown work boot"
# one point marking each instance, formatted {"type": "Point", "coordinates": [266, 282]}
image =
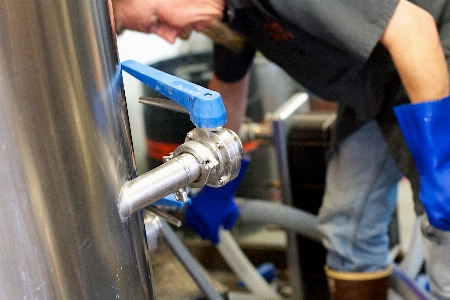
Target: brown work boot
{"type": "Point", "coordinates": [358, 286]}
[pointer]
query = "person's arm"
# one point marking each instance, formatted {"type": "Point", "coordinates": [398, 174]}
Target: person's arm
{"type": "Point", "coordinates": [412, 39]}
{"type": "Point", "coordinates": [234, 96]}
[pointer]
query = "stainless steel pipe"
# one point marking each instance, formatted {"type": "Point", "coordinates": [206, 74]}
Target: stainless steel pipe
{"type": "Point", "coordinates": [65, 153]}
{"type": "Point", "coordinates": [159, 182]}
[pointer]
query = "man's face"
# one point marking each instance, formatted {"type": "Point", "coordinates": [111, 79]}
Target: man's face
{"type": "Point", "coordinates": [167, 18]}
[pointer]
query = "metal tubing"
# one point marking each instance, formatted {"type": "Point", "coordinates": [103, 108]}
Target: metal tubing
{"type": "Point", "coordinates": [159, 182]}
{"type": "Point", "coordinates": [256, 131]}
{"type": "Point", "coordinates": [281, 126]}
{"type": "Point", "coordinates": [405, 286]}
{"type": "Point", "coordinates": [65, 152]}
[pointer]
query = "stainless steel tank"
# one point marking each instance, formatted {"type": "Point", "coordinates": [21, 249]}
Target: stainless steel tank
{"type": "Point", "coordinates": [65, 152]}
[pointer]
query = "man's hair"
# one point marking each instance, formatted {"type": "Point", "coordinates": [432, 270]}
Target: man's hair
{"type": "Point", "coordinates": [221, 33]}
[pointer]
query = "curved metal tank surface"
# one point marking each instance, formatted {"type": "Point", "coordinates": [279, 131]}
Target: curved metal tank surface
{"type": "Point", "coordinates": [65, 152]}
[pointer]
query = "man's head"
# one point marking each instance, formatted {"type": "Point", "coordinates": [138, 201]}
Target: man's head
{"type": "Point", "coordinates": [167, 18]}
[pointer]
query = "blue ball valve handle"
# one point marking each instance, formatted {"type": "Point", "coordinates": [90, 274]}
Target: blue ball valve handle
{"type": "Point", "coordinates": [205, 107]}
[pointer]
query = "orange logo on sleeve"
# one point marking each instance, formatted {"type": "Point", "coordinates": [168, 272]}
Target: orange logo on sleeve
{"type": "Point", "coordinates": [278, 33]}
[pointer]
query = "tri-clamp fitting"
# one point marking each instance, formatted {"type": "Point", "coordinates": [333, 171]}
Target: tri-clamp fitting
{"type": "Point", "coordinates": [219, 153]}
{"type": "Point", "coordinates": [211, 154]}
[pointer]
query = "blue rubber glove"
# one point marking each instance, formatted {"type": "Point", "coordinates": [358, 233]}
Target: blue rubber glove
{"type": "Point", "coordinates": [213, 208]}
{"type": "Point", "coordinates": [426, 127]}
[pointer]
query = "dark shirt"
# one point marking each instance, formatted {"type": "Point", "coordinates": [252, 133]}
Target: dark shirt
{"type": "Point", "coordinates": [331, 48]}
{"type": "Point", "coordinates": [332, 52]}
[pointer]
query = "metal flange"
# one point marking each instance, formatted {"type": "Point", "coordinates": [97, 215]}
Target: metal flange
{"type": "Point", "coordinates": [219, 151]}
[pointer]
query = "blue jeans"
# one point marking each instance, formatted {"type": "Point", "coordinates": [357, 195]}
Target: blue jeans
{"type": "Point", "coordinates": [359, 201]}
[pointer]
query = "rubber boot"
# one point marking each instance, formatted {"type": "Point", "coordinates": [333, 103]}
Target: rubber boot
{"type": "Point", "coordinates": [426, 128]}
{"type": "Point", "coordinates": [358, 286]}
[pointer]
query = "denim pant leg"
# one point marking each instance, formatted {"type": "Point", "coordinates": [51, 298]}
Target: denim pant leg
{"type": "Point", "coordinates": [359, 201]}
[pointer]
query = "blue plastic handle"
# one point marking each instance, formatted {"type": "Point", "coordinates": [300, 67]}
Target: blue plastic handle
{"type": "Point", "coordinates": [170, 200]}
{"type": "Point", "coordinates": [205, 107]}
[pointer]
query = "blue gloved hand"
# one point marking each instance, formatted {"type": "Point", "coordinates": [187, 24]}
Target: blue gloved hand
{"type": "Point", "coordinates": [213, 208]}
{"type": "Point", "coordinates": [426, 127]}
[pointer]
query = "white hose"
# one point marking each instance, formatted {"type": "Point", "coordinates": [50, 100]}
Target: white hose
{"type": "Point", "coordinates": [243, 268]}
{"type": "Point", "coordinates": [413, 260]}
{"type": "Point", "coordinates": [288, 217]}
